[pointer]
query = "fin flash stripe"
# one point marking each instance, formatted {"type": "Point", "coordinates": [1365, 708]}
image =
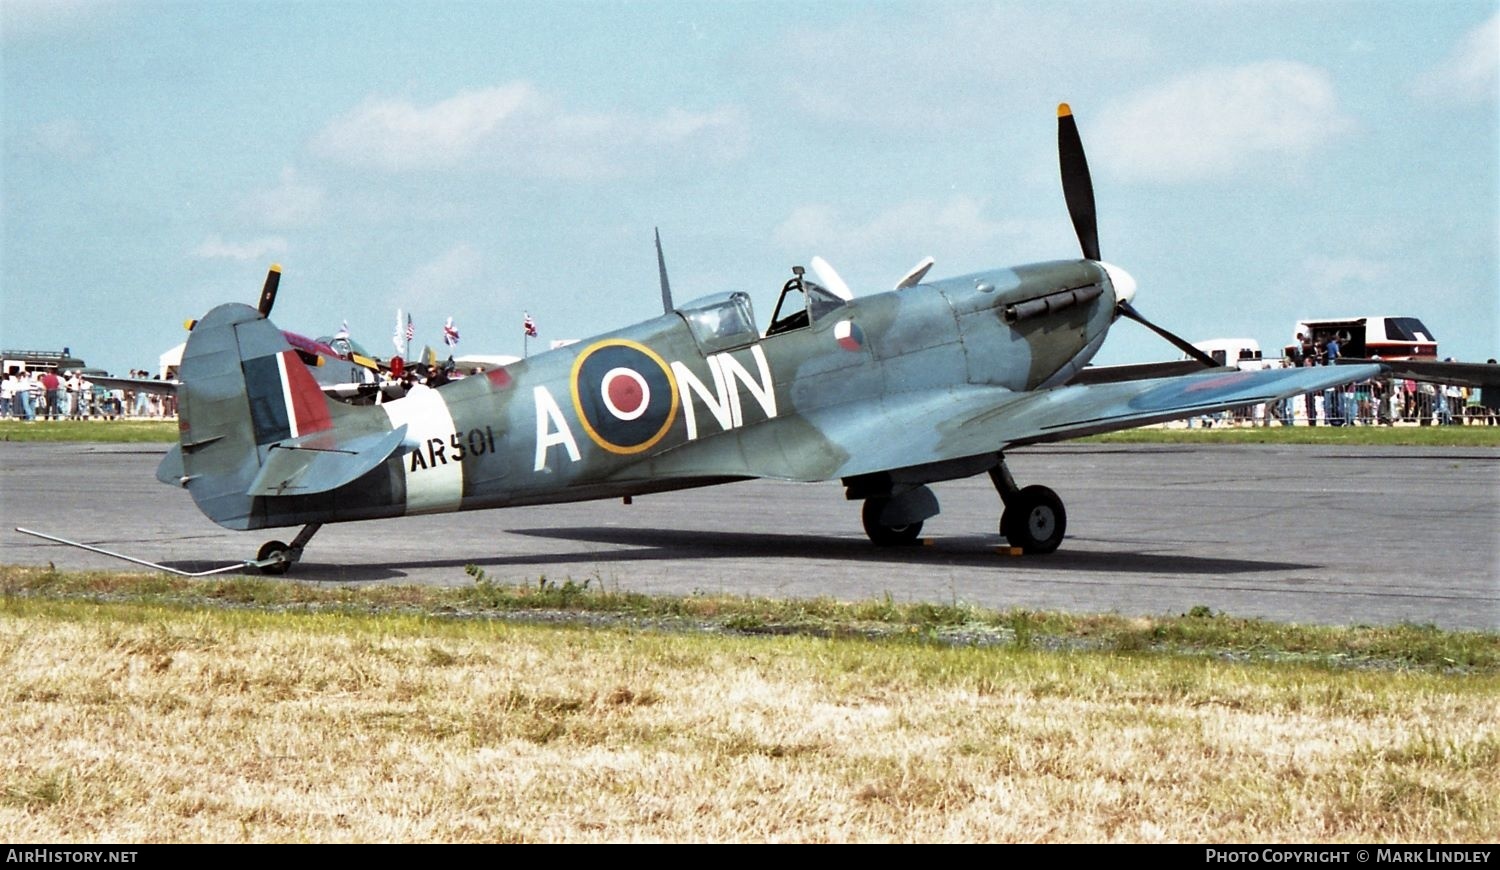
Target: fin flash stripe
{"type": "Point", "coordinates": [304, 398]}
{"type": "Point", "coordinates": [285, 400]}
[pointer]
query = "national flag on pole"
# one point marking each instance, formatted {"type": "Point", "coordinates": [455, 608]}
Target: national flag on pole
{"type": "Point", "coordinates": [530, 326]}
{"type": "Point", "coordinates": [411, 331]}
{"type": "Point", "coordinates": [396, 336]}
{"type": "Point", "coordinates": [450, 333]}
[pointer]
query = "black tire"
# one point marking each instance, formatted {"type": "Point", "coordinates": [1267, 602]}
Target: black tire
{"type": "Point", "coordinates": [887, 536]}
{"type": "Point", "coordinates": [270, 549]}
{"type": "Point", "coordinates": [1034, 520]}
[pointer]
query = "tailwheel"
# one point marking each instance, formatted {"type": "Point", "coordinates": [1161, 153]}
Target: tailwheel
{"type": "Point", "coordinates": [277, 551]}
{"type": "Point", "coordinates": [1034, 520]}
{"type": "Point", "coordinates": [887, 536]}
{"type": "Point", "coordinates": [278, 557]}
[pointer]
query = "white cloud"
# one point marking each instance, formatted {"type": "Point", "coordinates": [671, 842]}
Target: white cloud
{"type": "Point", "coordinates": [1327, 273]}
{"type": "Point", "coordinates": [396, 134]}
{"type": "Point", "coordinates": [291, 203]}
{"type": "Point", "coordinates": [515, 128]}
{"type": "Point", "coordinates": [64, 138]}
{"type": "Point", "coordinates": [949, 66]}
{"type": "Point", "coordinates": [1471, 72]}
{"type": "Point", "coordinates": [25, 18]}
{"type": "Point", "coordinates": [1219, 120]}
{"type": "Point", "coordinates": [214, 247]}
{"type": "Point", "coordinates": [903, 234]}
{"type": "Point", "coordinates": [444, 275]}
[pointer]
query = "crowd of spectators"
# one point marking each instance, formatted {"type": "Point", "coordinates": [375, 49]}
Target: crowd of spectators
{"type": "Point", "coordinates": [1384, 401]}
{"type": "Point", "coordinates": [48, 395]}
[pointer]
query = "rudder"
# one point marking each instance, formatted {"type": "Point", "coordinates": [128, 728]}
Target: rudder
{"type": "Point", "coordinates": [245, 393]}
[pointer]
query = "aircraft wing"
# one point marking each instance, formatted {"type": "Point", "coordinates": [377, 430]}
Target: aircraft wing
{"type": "Point", "coordinates": [1484, 375]}
{"type": "Point", "coordinates": [975, 427]}
{"type": "Point", "coordinates": [902, 430]}
{"type": "Point", "coordinates": [1140, 371]}
{"type": "Point", "coordinates": [140, 385]}
{"type": "Point", "coordinates": [1073, 412]}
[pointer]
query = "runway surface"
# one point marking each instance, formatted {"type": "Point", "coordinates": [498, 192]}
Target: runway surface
{"type": "Point", "coordinates": [1322, 535]}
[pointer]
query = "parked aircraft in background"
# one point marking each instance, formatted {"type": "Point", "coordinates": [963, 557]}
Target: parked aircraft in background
{"type": "Point", "coordinates": [887, 393]}
{"type": "Point", "coordinates": [341, 369]}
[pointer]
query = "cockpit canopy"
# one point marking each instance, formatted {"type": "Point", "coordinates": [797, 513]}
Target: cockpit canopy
{"type": "Point", "coordinates": [720, 321]}
{"type": "Point", "coordinates": [726, 320]}
{"type": "Point", "coordinates": [802, 303]}
{"type": "Point", "coordinates": [343, 345]}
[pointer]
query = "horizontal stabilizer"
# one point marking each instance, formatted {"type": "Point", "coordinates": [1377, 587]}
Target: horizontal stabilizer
{"type": "Point", "coordinates": [170, 470]}
{"type": "Point", "coordinates": [319, 462]}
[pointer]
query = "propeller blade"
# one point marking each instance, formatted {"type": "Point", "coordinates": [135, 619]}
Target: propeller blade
{"type": "Point", "coordinates": [268, 292]}
{"type": "Point", "coordinates": [917, 273]}
{"type": "Point", "coordinates": [830, 279]}
{"type": "Point", "coordinates": [1179, 342]}
{"type": "Point", "coordinates": [1078, 186]}
{"type": "Point", "coordinates": [1078, 190]}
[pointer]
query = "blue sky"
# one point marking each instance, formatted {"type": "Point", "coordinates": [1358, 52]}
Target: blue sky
{"type": "Point", "coordinates": [1254, 163]}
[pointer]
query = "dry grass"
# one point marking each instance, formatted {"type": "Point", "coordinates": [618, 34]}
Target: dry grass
{"type": "Point", "coordinates": [137, 724]}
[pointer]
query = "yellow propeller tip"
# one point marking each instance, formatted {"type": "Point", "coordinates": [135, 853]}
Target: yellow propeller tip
{"type": "Point", "coordinates": [1063, 110]}
{"type": "Point", "coordinates": [275, 267]}
{"type": "Point", "coordinates": [189, 324]}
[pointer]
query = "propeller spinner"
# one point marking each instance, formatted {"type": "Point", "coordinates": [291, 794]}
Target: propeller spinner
{"type": "Point", "coordinates": [1078, 191]}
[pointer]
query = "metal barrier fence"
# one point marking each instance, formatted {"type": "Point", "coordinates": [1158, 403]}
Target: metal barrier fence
{"type": "Point", "coordinates": [1379, 402]}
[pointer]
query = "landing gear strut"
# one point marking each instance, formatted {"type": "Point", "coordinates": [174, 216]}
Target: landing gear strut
{"type": "Point", "coordinates": [1034, 518]}
{"type": "Point", "coordinates": [277, 558]}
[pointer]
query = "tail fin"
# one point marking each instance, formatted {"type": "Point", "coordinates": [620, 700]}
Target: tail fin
{"type": "Point", "coordinates": [254, 423]}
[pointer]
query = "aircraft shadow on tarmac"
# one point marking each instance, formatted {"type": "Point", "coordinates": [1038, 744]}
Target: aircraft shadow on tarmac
{"type": "Point", "coordinates": [653, 545]}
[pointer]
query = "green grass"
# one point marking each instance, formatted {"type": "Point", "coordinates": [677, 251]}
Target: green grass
{"type": "Point", "coordinates": [1197, 632]}
{"type": "Point", "coordinates": [108, 431]}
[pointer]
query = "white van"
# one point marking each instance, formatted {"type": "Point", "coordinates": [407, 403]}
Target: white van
{"type": "Point", "coordinates": [1240, 353]}
{"type": "Point", "coordinates": [1393, 338]}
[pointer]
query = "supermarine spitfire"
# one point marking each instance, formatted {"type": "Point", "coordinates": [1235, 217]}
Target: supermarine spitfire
{"type": "Point", "coordinates": [887, 393]}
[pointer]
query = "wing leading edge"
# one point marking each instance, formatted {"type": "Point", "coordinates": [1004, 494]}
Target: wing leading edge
{"type": "Point", "coordinates": [976, 427]}
{"type": "Point", "coordinates": [906, 430]}
{"type": "Point", "coordinates": [1073, 412]}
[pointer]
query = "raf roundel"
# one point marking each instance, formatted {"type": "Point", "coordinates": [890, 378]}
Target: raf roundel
{"type": "Point", "coordinates": [624, 395]}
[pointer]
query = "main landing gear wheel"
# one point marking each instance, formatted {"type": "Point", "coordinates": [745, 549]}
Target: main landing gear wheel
{"type": "Point", "coordinates": [887, 536]}
{"type": "Point", "coordinates": [274, 550]}
{"type": "Point", "coordinates": [1034, 520]}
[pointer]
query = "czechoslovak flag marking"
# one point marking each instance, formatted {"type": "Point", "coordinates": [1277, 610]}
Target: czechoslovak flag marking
{"type": "Point", "coordinates": [848, 334]}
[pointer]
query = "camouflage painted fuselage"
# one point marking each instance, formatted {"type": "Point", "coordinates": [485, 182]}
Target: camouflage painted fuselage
{"type": "Point", "coordinates": [862, 389]}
